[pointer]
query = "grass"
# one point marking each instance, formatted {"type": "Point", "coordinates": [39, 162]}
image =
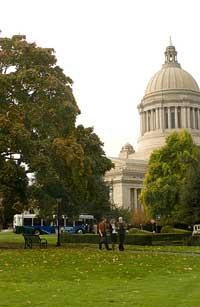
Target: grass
{"type": "Point", "coordinates": [81, 275]}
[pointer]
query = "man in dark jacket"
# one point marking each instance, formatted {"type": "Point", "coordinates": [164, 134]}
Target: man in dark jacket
{"type": "Point", "coordinates": [102, 228]}
{"type": "Point", "coordinates": [121, 232]}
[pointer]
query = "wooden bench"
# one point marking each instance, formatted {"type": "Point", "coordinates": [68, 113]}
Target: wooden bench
{"type": "Point", "coordinates": [30, 240]}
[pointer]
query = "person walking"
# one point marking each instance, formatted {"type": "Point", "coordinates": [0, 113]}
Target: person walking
{"type": "Point", "coordinates": [121, 233]}
{"type": "Point", "coordinates": [113, 233]}
{"type": "Point", "coordinates": [102, 229]}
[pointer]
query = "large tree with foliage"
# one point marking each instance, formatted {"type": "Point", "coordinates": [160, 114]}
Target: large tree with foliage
{"type": "Point", "coordinates": [37, 130]}
{"type": "Point", "coordinates": [167, 172]}
{"type": "Point", "coordinates": [189, 210]}
{"type": "Point", "coordinates": [95, 193]}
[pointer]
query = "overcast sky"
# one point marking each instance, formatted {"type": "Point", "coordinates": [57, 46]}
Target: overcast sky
{"type": "Point", "coordinates": [110, 48]}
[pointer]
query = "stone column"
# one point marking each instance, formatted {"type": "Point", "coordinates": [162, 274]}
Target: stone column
{"type": "Point", "coordinates": [161, 119]}
{"type": "Point", "coordinates": [183, 118]}
{"type": "Point", "coordinates": [149, 120]}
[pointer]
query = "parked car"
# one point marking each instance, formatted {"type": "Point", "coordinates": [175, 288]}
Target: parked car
{"type": "Point", "coordinates": [79, 229]}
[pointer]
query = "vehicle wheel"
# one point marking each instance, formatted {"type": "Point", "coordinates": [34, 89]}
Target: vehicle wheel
{"type": "Point", "coordinates": [80, 231]}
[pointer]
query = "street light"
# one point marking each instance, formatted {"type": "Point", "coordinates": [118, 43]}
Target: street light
{"type": "Point", "coordinates": [58, 221]}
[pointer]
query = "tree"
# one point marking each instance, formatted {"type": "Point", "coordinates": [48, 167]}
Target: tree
{"type": "Point", "coordinates": [37, 110]}
{"type": "Point", "coordinates": [189, 211]}
{"type": "Point", "coordinates": [166, 174]}
{"type": "Point", "coordinates": [13, 189]}
{"type": "Point", "coordinates": [94, 192]}
{"type": "Point", "coordinates": [37, 125]}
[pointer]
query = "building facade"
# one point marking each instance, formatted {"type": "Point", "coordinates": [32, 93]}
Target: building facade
{"type": "Point", "coordinates": [171, 102]}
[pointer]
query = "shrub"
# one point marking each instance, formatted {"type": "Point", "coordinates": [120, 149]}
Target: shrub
{"type": "Point", "coordinates": [171, 229]}
{"type": "Point", "coordinates": [138, 231]}
{"type": "Point", "coordinates": [170, 238]}
{"type": "Point", "coordinates": [192, 240]}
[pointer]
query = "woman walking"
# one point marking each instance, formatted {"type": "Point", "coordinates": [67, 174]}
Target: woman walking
{"type": "Point", "coordinates": [113, 233]}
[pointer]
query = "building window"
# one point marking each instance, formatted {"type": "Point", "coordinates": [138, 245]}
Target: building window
{"type": "Point", "coordinates": [179, 117]}
{"type": "Point", "coordinates": [149, 120]}
{"type": "Point", "coordinates": [172, 115]}
{"type": "Point", "coordinates": [154, 119]}
{"type": "Point", "coordinates": [145, 123]}
{"type": "Point", "coordinates": [196, 119]}
{"type": "Point", "coordinates": [158, 114]}
{"type": "Point", "coordinates": [191, 118]}
{"type": "Point", "coordinates": [186, 117]}
{"type": "Point", "coordinates": [138, 198]}
{"type": "Point", "coordinates": [165, 118]}
{"type": "Point", "coordinates": [132, 198]}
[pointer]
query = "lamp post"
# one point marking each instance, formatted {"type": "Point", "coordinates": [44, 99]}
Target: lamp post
{"type": "Point", "coordinates": [58, 221]}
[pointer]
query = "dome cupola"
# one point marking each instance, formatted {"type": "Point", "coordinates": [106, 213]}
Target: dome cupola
{"type": "Point", "coordinates": [126, 151]}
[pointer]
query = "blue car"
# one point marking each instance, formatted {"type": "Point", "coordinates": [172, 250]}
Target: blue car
{"type": "Point", "coordinates": [79, 229]}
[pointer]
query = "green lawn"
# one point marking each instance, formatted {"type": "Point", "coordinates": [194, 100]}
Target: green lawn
{"type": "Point", "coordinates": [80, 275]}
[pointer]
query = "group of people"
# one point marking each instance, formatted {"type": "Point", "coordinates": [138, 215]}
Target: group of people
{"type": "Point", "coordinates": [116, 230]}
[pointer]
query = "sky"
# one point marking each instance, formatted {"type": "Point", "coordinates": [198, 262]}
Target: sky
{"type": "Point", "coordinates": [111, 49]}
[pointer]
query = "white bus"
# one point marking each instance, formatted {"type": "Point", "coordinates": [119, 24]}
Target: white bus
{"type": "Point", "coordinates": [26, 219]}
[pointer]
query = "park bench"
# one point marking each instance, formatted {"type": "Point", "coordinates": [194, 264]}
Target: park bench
{"type": "Point", "coordinates": [30, 240]}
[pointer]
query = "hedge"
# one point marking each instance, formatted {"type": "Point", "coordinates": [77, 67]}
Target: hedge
{"type": "Point", "coordinates": [192, 240]}
{"type": "Point", "coordinates": [94, 239]}
{"type": "Point", "coordinates": [136, 239]}
{"type": "Point", "coordinates": [170, 238]}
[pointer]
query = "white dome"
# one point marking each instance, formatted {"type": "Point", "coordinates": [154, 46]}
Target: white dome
{"type": "Point", "coordinates": [171, 78]}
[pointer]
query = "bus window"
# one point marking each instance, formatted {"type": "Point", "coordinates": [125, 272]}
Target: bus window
{"type": "Point", "coordinates": [36, 221]}
{"type": "Point", "coordinates": [27, 222]}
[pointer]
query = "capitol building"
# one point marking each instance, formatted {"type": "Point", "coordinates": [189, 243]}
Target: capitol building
{"type": "Point", "coordinates": [171, 102]}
